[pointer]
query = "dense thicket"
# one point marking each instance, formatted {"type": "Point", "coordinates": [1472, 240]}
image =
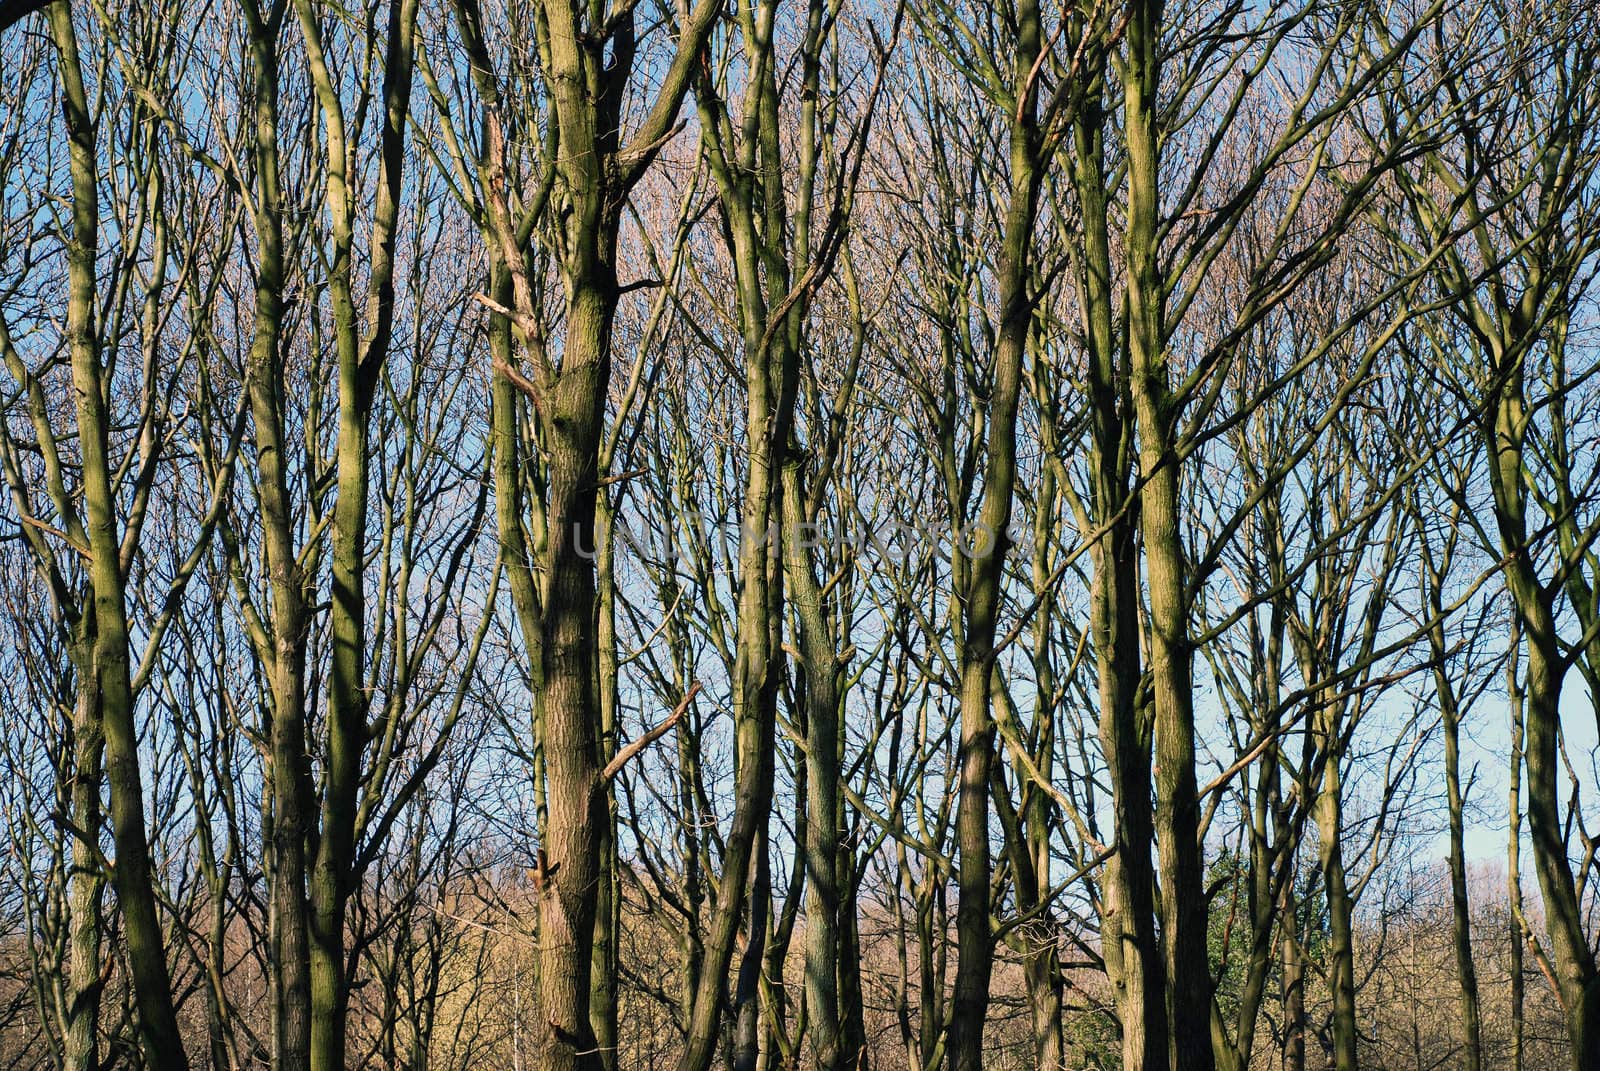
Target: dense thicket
{"type": "Point", "coordinates": [810, 534]}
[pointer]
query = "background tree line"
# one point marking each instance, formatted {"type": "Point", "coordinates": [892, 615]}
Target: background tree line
{"type": "Point", "coordinates": [805, 534]}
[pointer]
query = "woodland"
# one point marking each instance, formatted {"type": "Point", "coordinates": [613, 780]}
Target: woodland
{"type": "Point", "coordinates": [799, 535]}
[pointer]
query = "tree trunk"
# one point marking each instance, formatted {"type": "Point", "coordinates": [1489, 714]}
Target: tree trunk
{"type": "Point", "coordinates": [1514, 701]}
{"type": "Point", "coordinates": [608, 893]}
{"type": "Point", "coordinates": [570, 863]}
{"type": "Point", "coordinates": [1294, 983]}
{"type": "Point", "coordinates": [1329, 810]}
{"type": "Point", "coordinates": [283, 654]}
{"type": "Point", "coordinates": [1129, 941]}
{"type": "Point", "coordinates": [109, 674]}
{"type": "Point", "coordinates": [981, 599]}
{"type": "Point", "coordinates": [1572, 961]}
{"type": "Point", "coordinates": [361, 357]}
{"type": "Point", "coordinates": [1570, 956]}
{"type": "Point", "coordinates": [1184, 914]}
{"type": "Point", "coordinates": [853, 1028]}
{"type": "Point", "coordinates": [1460, 912]}
{"type": "Point", "coordinates": [86, 888]}
{"type": "Point", "coordinates": [747, 987]}
{"type": "Point", "coordinates": [822, 787]}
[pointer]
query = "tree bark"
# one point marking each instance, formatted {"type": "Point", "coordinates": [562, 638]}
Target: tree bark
{"type": "Point", "coordinates": [1129, 939]}
{"type": "Point", "coordinates": [1183, 902]}
{"type": "Point", "coordinates": [361, 353]}
{"type": "Point", "coordinates": [1329, 813]}
{"type": "Point", "coordinates": [283, 648]}
{"type": "Point", "coordinates": [1572, 960]}
{"type": "Point", "coordinates": [1460, 909]}
{"type": "Point", "coordinates": [108, 673]}
{"type": "Point", "coordinates": [86, 888]}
